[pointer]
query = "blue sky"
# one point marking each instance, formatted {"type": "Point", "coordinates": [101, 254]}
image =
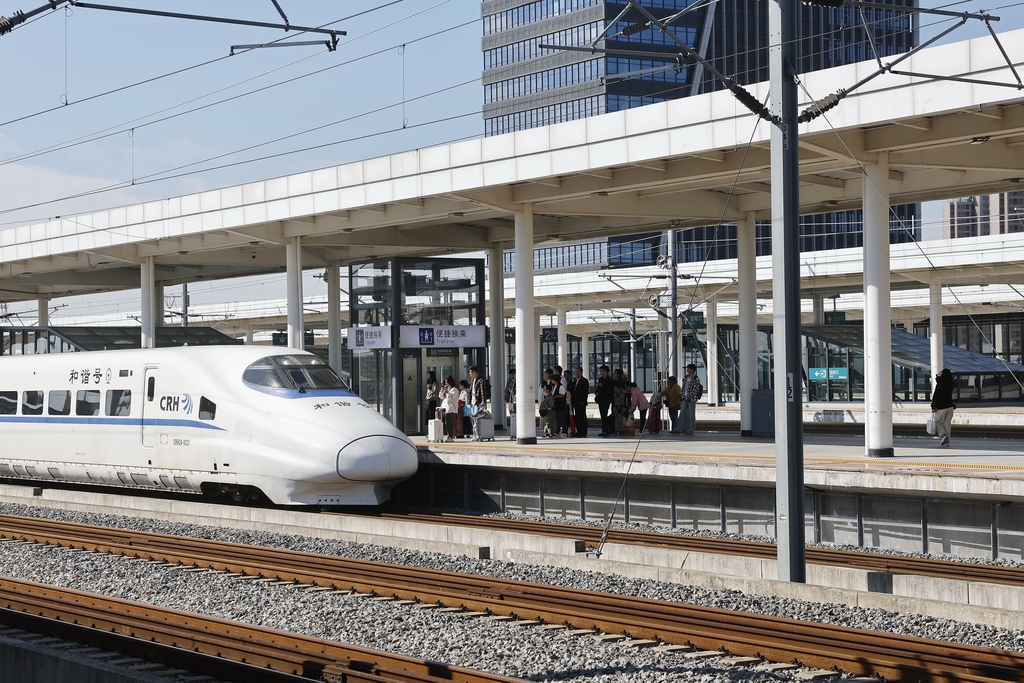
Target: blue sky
{"type": "Point", "coordinates": [73, 54]}
{"type": "Point", "coordinates": [106, 50]}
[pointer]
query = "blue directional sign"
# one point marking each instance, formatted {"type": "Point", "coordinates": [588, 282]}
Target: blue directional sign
{"type": "Point", "coordinates": [832, 374]}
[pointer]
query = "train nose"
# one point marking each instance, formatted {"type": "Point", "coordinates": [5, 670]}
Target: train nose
{"type": "Point", "coordinates": [377, 458]}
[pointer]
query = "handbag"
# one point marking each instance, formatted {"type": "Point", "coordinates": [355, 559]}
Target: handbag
{"type": "Point", "coordinates": [929, 426]}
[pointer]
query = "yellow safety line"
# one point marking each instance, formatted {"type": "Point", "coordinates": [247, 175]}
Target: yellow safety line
{"type": "Point", "coordinates": [848, 461]}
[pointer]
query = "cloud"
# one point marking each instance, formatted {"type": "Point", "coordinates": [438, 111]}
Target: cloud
{"type": "Point", "coordinates": [26, 185]}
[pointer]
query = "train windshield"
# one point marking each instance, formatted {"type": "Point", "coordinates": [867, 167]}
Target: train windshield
{"type": "Point", "coordinates": [292, 372]}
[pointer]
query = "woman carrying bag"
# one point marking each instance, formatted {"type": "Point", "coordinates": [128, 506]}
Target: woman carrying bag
{"type": "Point", "coordinates": [943, 406]}
{"type": "Point", "coordinates": [431, 397]}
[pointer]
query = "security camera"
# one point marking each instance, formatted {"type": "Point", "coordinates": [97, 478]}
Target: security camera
{"type": "Point", "coordinates": [253, 255]}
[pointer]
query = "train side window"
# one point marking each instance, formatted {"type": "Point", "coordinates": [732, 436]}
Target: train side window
{"type": "Point", "coordinates": [151, 389]}
{"type": "Point", "coordinates": [59, 403]}
{"type": "Point", "coordinates": [31, 403]}
{"type": "Point", "coordinates": [207, 409]}
{"type": "Point", "coordinates": [8, 402]}
{"type": "Point", "coordinates": [87, 403]}
{"type": "Point", "coordinates": [119, 402]}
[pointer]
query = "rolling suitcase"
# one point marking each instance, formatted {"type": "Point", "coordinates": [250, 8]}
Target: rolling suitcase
{"type": "Point", "coordinates": [485, 428]}
{"type": "Point", "coordinates": [654, 421]}
{"type": "Point", "coordinates": [435, 431]}
{"type": "Point", "coordinates": [512, 427]}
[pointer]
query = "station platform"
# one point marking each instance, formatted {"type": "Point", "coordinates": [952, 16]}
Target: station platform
{"type": "Point", "coordinates": [970, 466]}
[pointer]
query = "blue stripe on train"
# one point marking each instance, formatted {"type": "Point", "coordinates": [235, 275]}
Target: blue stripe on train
{"type": "Point", "coordinates": [117, 421]}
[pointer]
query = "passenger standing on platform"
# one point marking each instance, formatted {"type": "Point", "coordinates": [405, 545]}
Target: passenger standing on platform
{"type": "Point", "coordinates": [433, 392]}
{"type": "Point", "coordinates": [603, 395]}
{"type": "Point", "coordinates": [943, 406]}
{"type": "Point", "coordinates": [559, 394]}
{"type": "Point", "coordinates": [465, 408]}
{"type": "Point", "coordinates": [673, 395]}
{"type": "Point", "coordinates": [692, 391]}
{"type": "Point", "coordinates": [547, 410]}
{"type": "Point", "coordinates": [579, 390]}
{"type": "Point", "coordinates": [510, 398]}
{"type": "Point", "coordinates": [450, 403]}
{"type": "Point", "coordinates": [620, 404]}
{"type": "Point", "coordinates": [638, 401]}
{"type": "Point", "coordinates": [477, 400]}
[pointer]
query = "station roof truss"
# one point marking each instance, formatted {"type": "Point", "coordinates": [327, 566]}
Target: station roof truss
{"type": "Point", "coordinates": [682, 163]}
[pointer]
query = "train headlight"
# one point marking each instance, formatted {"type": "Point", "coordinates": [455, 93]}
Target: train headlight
{"type": "Point", "coordinates": [377, 458]}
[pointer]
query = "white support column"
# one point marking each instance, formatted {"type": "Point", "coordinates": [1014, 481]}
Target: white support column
{"type": "Point", "coordinates": [563, 340]}
{"type": "Point", "coordinates": [935, 326]}
{"type": "Point", "coordinates": [713, 393]}
{"type": "Point", "coordinates": [249, 339]}
{"type": "Point", "coordinates": [293, 256]}
{"type": "Point", "coordinates": [333, 279]}
{"type": "Point", "coordinates": [158, 304]}
{"type": "Point", "coordinates": [148, 304]}
{"type": "Point", "coordinates": [43, 319]}
{"type": "Point", "coordinates": [877, 331]}
{"type": "Point", "coordinates": [747, 275]}
{"type": "Point", "coordinates": [818, 317]}
{"type": "Point", "coordinates": [537, 347]}
{"type": "Point", "coordinates": [585, 355]}
{"type": "Point", "coordinates": [527, 357]}
{"type": "Point", "coordinates": [632, 369]}
{"type": "Point", "coordinates": [496, 358]}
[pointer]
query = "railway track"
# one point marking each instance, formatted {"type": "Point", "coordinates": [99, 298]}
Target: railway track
{"type": "Point", "coordinates": [214, 647]}
{"type": "Point", "coordinates": [591, 537]}
{"type": "Point", "coordinates": [896, 658]}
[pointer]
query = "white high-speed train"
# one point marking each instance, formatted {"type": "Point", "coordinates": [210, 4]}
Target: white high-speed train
{"type": "Point", "coordinates": [222, 420]}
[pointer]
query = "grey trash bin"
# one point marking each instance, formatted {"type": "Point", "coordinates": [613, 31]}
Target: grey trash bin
{"type": "Point", "coordinates": [762, 414]}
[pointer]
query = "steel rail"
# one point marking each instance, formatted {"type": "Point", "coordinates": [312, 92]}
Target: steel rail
{"type": "Point", "coordinates": [590, 536]}
{"type": "Point", "coordinates": [860, 652]}
{"type": "Point", "coordinates": [211, 646]}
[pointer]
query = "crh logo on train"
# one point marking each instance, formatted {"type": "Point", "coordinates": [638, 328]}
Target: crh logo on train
{"type": "Point", "coordinates": [173, 404]}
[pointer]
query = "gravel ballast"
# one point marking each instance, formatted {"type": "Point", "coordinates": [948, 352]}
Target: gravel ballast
{"type": "Point", "coordinates": [510, 650]}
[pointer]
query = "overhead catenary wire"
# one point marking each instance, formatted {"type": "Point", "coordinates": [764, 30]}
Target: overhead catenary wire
{"type": "Point", "coordinates": [924, 254]}
{"type": "Point", "coordinates": [140, 121]}
{"type": "Point", "coordinates": [181, 70]}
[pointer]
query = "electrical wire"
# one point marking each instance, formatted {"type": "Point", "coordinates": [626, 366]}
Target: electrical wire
{"type": "Point", "coordinates": [140, 122]}
{"type": "Point", "coordinates": [169, 74]}
{"type": "Point", "coordinates": [903, 226]}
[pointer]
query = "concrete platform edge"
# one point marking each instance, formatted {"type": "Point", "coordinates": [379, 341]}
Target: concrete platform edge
{"type": "Point", "coordinates": [1000, 618]}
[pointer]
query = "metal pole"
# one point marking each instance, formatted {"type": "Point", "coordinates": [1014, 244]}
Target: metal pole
{"type": "Point", "coordinates": [527, 359]}
{"type": "Point", "coordinates": [334, 316]}
{"type": "Point", "coordinates": [496, 359]}
{"type": "Point", "coordinates": [935, 326]}
{"type": "Point", "coordinates": [184, 305]}
{"type": "Point", "coordinates": [673, 305]}
{"type": "Point", "coordinates": [747, 247]}
{"type": "Point", "coordinates": [785, 167]}
{"type": "Point", "coordinates": [712, 346]}
{"type": "Point", "coordinates": [632, 346]}
{"type": "Point", "coordinates": [148, 285]}
{"type": "Point", "coordinates": [563, 340]}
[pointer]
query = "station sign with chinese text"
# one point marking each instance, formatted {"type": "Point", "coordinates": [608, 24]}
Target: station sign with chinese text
{"type": "Point", "coordinates": [831, 374]}
{"type": "Point", "coordinates": [378, 337]}
{"type": "Point", "coordinates": [434, 336]}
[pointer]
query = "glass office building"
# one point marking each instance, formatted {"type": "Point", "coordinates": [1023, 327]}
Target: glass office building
{"type": "Point", "coordinates": [526, 86]}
